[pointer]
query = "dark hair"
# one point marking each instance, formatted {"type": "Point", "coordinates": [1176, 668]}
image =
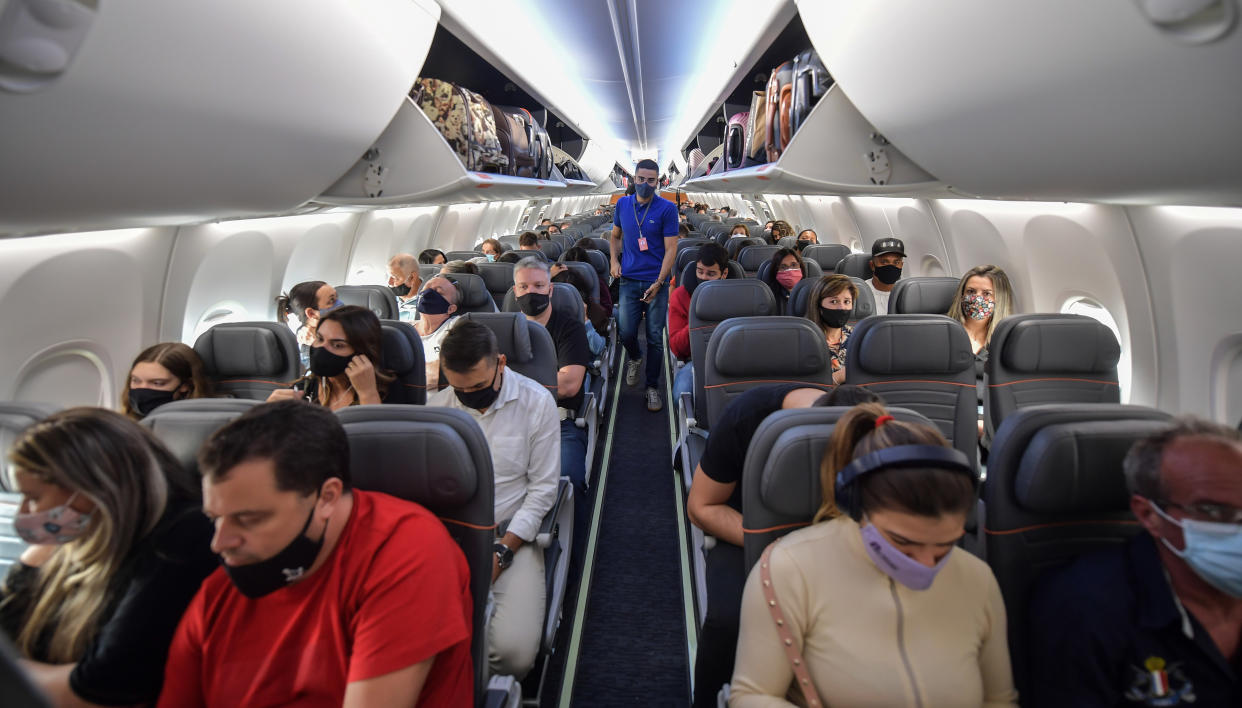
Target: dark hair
{"type": "Point", "coordinates": [460, 267]}
{"type": "Point", "coordinates": [923, 491]}
{"type": "Point", "coordinates": [495, 244]}
{"type": "Point", "coordinates": [365, 336]}
{"type": "Point", "coordinates": [575, 254]}
{"type": "Point", "coordinates": [181, 361]}
{"type": "Point", "coordinates": [778, 292]}
{"type": "Point", "coordinates": [848, 395]}
{"type": "Point", "coordinates": [683, 230]}
{"type": "Point", "coordinates": [528, 238]}
{"type": "Point", "coordinates": [467, 344]}
{"type": "Point", "coordinates": [783, 228]}
{"type": "Point", "coordinates": [647, 164]}
{"type": "Point", "coordinates": [429, 256]}
{"type": "Point", "coordinates": [827, 286]}
{"type": "Point", "coordinates": [305, 443]}
{"type": "Point", "coordinates": [586, 243]}
{"type": "Point", "coordinates": [713, 254]}
{"type": "Point", "coordinates": [297, 300]}
{"type": "Point", "coordinates": [1145, 458]}
{"type": "Point", "coordinates": [510, 257]}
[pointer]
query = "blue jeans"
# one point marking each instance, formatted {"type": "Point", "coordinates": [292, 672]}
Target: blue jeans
{"type": "Point", "coordinates": [573, 466]}
{"type": "Point", "coordinates": [630, 310]}
{"type": "Point", "coordinates": [683, 381]}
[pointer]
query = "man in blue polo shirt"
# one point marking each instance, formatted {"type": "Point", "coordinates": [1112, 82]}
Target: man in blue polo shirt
{"type": "Point", "coordinates": [1157, 622]}
{"type": "Point", "coordinates": [644, 249]}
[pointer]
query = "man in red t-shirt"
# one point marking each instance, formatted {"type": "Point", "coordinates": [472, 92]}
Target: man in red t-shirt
{"type": "Point", "coordinates": [712, 263]}
{"type": "Point", "coordinates": [327, 596]}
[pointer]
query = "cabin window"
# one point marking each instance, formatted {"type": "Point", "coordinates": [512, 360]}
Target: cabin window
{"type": "Point", "coordinates": [1093, 309]}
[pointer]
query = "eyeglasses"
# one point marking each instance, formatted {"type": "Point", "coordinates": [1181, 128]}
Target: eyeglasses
{"type": "Point", "coordinates": [1207, 511]}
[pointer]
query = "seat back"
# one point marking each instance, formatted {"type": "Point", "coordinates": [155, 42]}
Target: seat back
{"type": "Point", "coordinates": [1048, 358]}
{"type": "Point", "coordinates": [461, 255]}
{"type": "Point", "coordinates": [402, 353]}
{"type": "Point", "coordinates": [427, 271]}
{"type": "Point", "coordinates": [15, 417]}
{"type": "Point", "coordinates": [601, 245]}
{"type": "Point", "coordinates": [376, 298]}
{"type": "Point", "coordinates": [685, 256]}
{"type": "Point", "coordinates": [1055, 490]}
{"type": "Point", "coordinates": [473, 295]}
{"type": "Point", "coordinates": [927, 295]}
{"type": "Point", "coordinates": [864, 304]}
{"type": "Point", "coordinates": [800, 299]}
{"type": "Point", "coordinates": [183, 426]}
{"type": "Point", "coordinates": [527, 346]}
{"type": "Point", "coordinates": [827, 255]}
{"type": "Point", "coordinates": [920, 362]}
{"type": "Point", "coordinates": [249, 359]}
{"type": "Point", "coordinates": [587, 272]}
{"type": "Point", "coordinates": [438, 458]}
{"type": "Point", "coordinates": [566, 241]}
{"type": "Point", "coordinates": [599, 261]}
{"type": "Point", "coordinates": [746, 352]}
{"type": "Point", "coordinates": [510, 241]}
{"type": "Point", "coordinates": [551, 249]}
{"type": "Point", "coordinates": [751, 257]}
{"type": "Point", "coordinates": [855, 265]}
{"type": "Point", "coordinates": [735, 271]}
{"type": "Point", "coordinates": [734, 246]}
{"type": "Point", "coordinates": [781, 488]}
{"type": "Point", "coordinates": [713, 303]}
{"type": "Point", "coordinates": [498, 278]}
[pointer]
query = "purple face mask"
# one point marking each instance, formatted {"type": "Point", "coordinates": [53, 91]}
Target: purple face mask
{"type": "Point", "coordinates": [896, 564]}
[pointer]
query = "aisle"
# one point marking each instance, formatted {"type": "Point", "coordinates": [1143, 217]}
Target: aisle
{"type": "Point", "coordinates": [632, 648]}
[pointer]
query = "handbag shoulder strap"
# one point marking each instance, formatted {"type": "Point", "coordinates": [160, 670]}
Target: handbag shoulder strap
{"type": "Point", "coordinates": [782, 630]}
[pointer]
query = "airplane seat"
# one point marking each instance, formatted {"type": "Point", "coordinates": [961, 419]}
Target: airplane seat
{"type": "Point", "coordinates": [599, 261]}
{"type": "Point", "coordinates": [473, 293]}
{"type": "Point", "coordinates": [438, 458]}
{"type": "Point", "coordinates": [587, 272]}
{"type": "Point", "coordinates": [926, 295]}
{"type": "Point", "coordinates": [402, 353]}
{"type": "Point", "coordinates": [813, 271]}
{"type": "Point", "coordinates": [827, 255]}
{"type": "Point", "coordinates": [746, 352]}
{"type": "Point", "coordinates": [752, 257]}
{"type": "Point", "coordinates": [1048, 358]}
{"type": "Point", "coordinates": [564, 297]}
{"type": "Point", "coordinates": [736, 272]}
{"type": "Point", "coordinates": [376, 298]}
{"type": "Point", "coordinates": [855, 265]}
{"type": "Point", "coordinates": [565, 240]}
{"type": "Point", "coordinates": [756, 230]}
{"type": "Point", "coordinates": [780, 479]}
{"type": "Point", "coordinates": [551, 249]}
{"type": "Point", "coordinates": [800, 296]}
{"type": "Point", "coordinates": [921, 362]}
{"type": "Point", "coordinates": [601, 245]}
{"type": "Point", "coordinates": [510, 242]}
{"type": "Point", "coordinates": [461, 255]}
{"type": "Point", "coordinates": [685, 256]}
{"type": "Point", "coordinates": [498, 278]}
{"type": "Point", "coordinates": [864, 304]}
{"type": "Point", "coordinates": [787, 242]}
{"type": "Point", "coordinates": [427, 271]}
{"type": "Point", "coordinates": [183, 426]}
{"type": "Point", "coordinates": [249, 359]}
{"type": "Point", "coordinates": [734, 246]}
{"type": "Point", "coordinates": [1055, 490]}
{"type": "Point", "coordinates": [15, 417]}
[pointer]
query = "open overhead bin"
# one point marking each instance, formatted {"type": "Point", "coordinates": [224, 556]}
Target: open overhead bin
{"type": "Point", "coordinates": [1127, 102]}
{"type": "Point", "coordinates": [834, 151]}
{"type": "Point", "coordinates": [182, 110]}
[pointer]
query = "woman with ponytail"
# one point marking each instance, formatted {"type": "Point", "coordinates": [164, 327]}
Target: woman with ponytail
{"type": "Point", "coordinates": [305, 303]}
{"type": "Point", "coordinates": [875, 604]}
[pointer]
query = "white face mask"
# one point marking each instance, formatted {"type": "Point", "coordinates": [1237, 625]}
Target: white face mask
{"type": "Point", "coordinates": [1213, 550]}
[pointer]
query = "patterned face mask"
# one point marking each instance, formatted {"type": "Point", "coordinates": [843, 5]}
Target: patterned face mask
{"type": "Point", "coordinates": [978, 307]}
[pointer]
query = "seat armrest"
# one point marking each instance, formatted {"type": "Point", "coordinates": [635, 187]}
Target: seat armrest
{"type": "Point", "coordinates": [586, 411]}
{"type": "Point", "coordinates": [548, 528]}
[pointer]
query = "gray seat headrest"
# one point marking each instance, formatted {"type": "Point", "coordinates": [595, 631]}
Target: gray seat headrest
{"type": "Point", "coordinates": [929, 295]}
{"type": "Point", "coordinates": [827, 255]}
{"type": "Point", "coordinates": [241, 349]}
{"type": "Point", "coordinates": [376, 298]}
{"type": "Point", "coordinates": [512, 333]}
{"type": "Point", "coordinates": [744, 347]}
{"type": "Point", "coordinates": [721, 299]}
{"type": "Point", "coordinates": [855, 265]}
{"type": "Point", "coordinates": [473, 293]}
{"type": "Point", "coordinates": [927, 345]}
{"type": "Point", "coordinates": [1076, 467]}
{"type": "Point", "coordinates": [751, 257]}
{"type": "Point", "coordinates": [183, 426]}
{"type": "Point", "coordinates": [395, 347]}
{"type": "Point", "coordinates": [1064, 343]}
{"type": "Point", "coordinates": [497, 277]}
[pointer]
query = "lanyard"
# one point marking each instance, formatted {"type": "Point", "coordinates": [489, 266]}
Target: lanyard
{"type": "Point", "coordinates": [634, 206]}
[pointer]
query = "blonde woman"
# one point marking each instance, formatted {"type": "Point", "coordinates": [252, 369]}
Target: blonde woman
{"type": "Point", "coordinates": [984, 297]}
{"type": "Point", "coordinates": [880, 606]}
{"type": "Point", "coordinates": [118, 549]}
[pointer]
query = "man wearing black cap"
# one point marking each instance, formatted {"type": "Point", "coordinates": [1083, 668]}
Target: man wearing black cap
{"type": "Point", "coordinates": [888, 255]}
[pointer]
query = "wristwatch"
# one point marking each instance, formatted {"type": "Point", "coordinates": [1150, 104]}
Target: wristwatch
{"type": "Point", "coordinates": [504, 555]}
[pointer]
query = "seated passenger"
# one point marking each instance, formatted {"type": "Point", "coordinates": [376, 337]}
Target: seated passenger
{"type": "Point", "coordinates": [739, 231]}
{"type": "Point", "coordinates": [528, 241]}
{"type": "Point", "coordinates": [327, 595]}
{"type": "Point", "coordinates": [343, 363]}
{"type": "Point", "coordinates": [781, 229]}
{"type": "Point", "coordinates": [492, 249]}
{"type": "Point", "coordinates": [459, 267]}
{"type": "Point", "coordinates": [683, 230]}
{"type": "Point", "coordinates": [767, 227]}
{"type": "Point", "coordinates": [806, 238]}
{"type": "Point", "coordinates": [306, 302]}
{"type": "Point", "coordinates": [406, 282]}
{"type": "Point", "coordinates": [888, 257]}
{"type": "Point", "coordinates": [1158, 621]}
{"type": "Point", "coordinates": [118, 550]}
{"type": "Point", "coordinates": [787, 268]}
{"type": "Point", "coordinates": [578, 254]}
{"type": "Point", "coordinates": [545, 222]}
{"type": "Point", "coordinates": [552, 230]}
{"type": "Point", "coordinates": [518, 418]}
{"type": "Point", "coordinates": [532, 286]}
{"type": "Point", "coordinates": [564, 225]}
{"type": "Point", "coordinates": [595, 319]}
{"type": "Point", "coordinates": [512, 256]}
{"type": "Point", "coordinates": [161, 374]}
{"type": "Point", "coordinates": [984, 298]}
{"type": "Point", "coordinates": [438, 315]}
{"type": "Point", "coordinates": [829, 305]}
{"type": "Point", "coordinates": [712, 264]}
{"type": "Point", "coordinates": [432, 256]}
{"type": "Point", "coordinates": [715, 506]}
{"type": "Point", "coordinates": [874, 597]}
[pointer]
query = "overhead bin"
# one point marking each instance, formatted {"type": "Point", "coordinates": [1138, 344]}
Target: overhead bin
{"type": "Point", "coordinates": [181, 110]}
{"type": "Point", "coordinates": [1127, 102]}
{"type": "Point", "coordinates": [411, 164]}
{"type": "Point", "coordinates": [834, 151]}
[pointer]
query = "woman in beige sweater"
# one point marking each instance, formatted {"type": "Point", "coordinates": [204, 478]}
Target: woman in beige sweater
{"type": "Point", "coordinates": [882, 608]}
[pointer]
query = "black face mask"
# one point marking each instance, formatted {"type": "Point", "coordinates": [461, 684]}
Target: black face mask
{"type": "Point", "coordinates": [144, 400]}
{"type": "Point", "coordinates": [481, 399]}
{"type": "Point", "coordinates": [401, 290]}
{"type": "Point", "coordinates": [325, 363]}
{"type": "Point", "coordinates": [888, 274]}
{"type": "Point", "coordinates": [432, 303]}
{"type": "Point", "coordinates": [287, 566]}
{"type": "Point", "coordinates": [835, 319]}
{"type": "Point", "coordinates": [533, 304]}
{"type": "Point", "coordinates": [802, 243]}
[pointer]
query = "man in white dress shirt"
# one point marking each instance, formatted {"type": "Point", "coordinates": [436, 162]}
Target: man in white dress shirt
{"type": "Point", "coordinates": [519, 419]}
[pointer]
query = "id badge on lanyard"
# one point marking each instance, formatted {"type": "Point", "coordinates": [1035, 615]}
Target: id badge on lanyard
{"type": "Point", "coordinates": [642, 240]}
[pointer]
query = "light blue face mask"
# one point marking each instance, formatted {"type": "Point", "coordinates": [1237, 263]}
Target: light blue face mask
{"type": "Point", "coordinates": [1213, 550]}
{"type": "Point", "coordinates": [491, 257]}
{"type": "Point", "coordinates": [330, 308]}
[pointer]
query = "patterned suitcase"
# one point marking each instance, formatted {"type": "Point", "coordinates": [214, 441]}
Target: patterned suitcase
{"type": "Point", "coordinates": [465, 120]}
{"type": "Point", "coordinates": [779, 105]}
